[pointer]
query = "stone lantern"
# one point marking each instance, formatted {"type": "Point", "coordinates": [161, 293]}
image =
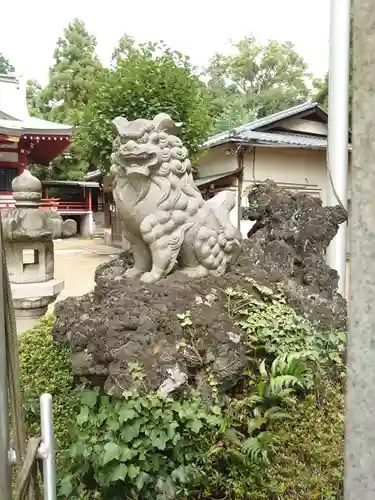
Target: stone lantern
{"type": "Point", "coordinates": [30, 255]}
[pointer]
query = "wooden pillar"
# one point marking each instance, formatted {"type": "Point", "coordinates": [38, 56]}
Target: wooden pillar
{"type": "Point", "coordinates": [89, 199]}
{"type": "Point", "coordinates": [239, 198]}
{"type": "Point", "coordinates": [22, 159]}
{"type": "Point", "coordinates": [107, 212]}
{"type": "Point", "coordinates": [240, 164]}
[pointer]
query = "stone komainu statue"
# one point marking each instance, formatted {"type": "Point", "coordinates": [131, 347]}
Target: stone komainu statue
{"type": "Point", "coordinates": [164, 216]}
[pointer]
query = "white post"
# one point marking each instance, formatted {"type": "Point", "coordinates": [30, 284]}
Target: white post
{"type": "Point", "coordinates": [338, 126]}
{"type": "Point", "coordinates": [48, 445]}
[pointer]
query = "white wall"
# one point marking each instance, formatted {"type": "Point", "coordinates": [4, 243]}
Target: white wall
{"type": "Point", "coordinates": [98, 221]}
{"type": "Point", "coordinates": [305, 126]}
{"type": "Point", "coordinates": [215, 161]}
{"type": "Point", "coordinates": [291, 167]}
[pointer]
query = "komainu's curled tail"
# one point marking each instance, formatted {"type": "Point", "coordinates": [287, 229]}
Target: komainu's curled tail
{"type": "Point", "coordinates": [218, 242]}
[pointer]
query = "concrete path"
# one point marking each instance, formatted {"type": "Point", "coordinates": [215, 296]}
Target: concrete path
{"type": "Point", "coordinates": [75, 262]}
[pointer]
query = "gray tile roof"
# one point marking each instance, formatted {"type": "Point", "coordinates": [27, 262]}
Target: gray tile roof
{"type": "Point", "coordinates": [93, 175]}
{"type": "Point", "coordinates": [211, 178]}
{"type": "Point", "coordinates": [297, 140]}
{"type": "Point", "coordinates": [236, 133]}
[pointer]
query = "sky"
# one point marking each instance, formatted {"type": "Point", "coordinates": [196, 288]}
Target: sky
{"type": "Point", "coordinates": [198, 28]}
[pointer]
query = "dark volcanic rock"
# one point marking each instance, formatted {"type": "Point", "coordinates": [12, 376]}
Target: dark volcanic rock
{"type": "Point", "coordinates": [124, 321]}
{"type": "Point", "coordinates": [288, 243]}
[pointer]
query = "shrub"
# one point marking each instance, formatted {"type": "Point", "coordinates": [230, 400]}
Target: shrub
{"type": "Point", "coordinates": [46, 368]}
{"type": "Point", "coordinates": [308, 451]}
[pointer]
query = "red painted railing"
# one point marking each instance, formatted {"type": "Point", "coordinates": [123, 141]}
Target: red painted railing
{"type": "Point", "coordinates": [63, 206]}
{"type": "Point", "coordinates": [56, 204]}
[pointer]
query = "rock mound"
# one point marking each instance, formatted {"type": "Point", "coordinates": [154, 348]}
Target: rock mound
{"type": "Point", "coordinates": [123, 321]}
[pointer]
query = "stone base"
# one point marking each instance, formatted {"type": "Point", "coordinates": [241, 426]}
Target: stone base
{"type": "Point", "coordinates": [31, 301]}
{"type": "Point", "coordinates": [26, 319]}
{"type": "Point", "coordinates": [107, 236]}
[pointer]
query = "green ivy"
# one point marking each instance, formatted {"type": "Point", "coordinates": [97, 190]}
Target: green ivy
{"type": "Point", "coordinates": [273, 326]}
{"type": "Point", "coordinates": [142, 446]}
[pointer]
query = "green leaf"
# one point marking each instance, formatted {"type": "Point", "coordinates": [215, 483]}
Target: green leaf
{"type": "Point", "coordinates": [142, 479]}
{"type": "Point", "coordinates": [120, 473]}
{"type": "Point", "coordinates": [255, 423]}
{"type": "Point", "coordinates": [159, 439]}
{"type": "Point", "coordinates": [214, 420]}
{"type": "Point", "coordinates": [263, 370]}
{"type": "Point", "coordinates": [127, 454]}
{"type": "Point", "coordinates": [166, 486]}
{"type": "Point", "coordinates": [83, 415]}
{"type": "Point", "coordinates": [111, 452]}
{"type": "Point", "coordinates": [133, 471]}
{"type": "Point", "coordinates": [172, 429]}
{"type": "Point", "coordinates": [196, 425]}
{"type": "Point", "coordinates": [126, 414]}
{"type": "Point", "coordinates": [66, 487]}
{"type": "Point", "coordinates": [216, 410]}
{"type": "Point", "coordinates": [113, 425]}
{"type": "Point", "coordinates": [130, 431]}
{"type": "Point", "coordinates": [180, 474]}
{"type": "Point", "coordinates": [89, 398]}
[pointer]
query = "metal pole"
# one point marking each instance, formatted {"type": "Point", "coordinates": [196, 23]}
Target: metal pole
{"type": "Point", "coordinates": [5, 466]}
{"type": "Point", "coordinates": [360, 402]}
{"type": "Point", "coordinates": [48, 445]}
{"type": "Point", "coordinates": [338, 125]}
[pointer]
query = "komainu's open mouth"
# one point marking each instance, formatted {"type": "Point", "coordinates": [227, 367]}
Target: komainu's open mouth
{"type": "Point", "coordinates": [138, 163]}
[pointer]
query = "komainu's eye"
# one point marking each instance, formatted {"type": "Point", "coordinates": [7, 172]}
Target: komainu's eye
{"type": "Point", "coordinates": [144, 139]}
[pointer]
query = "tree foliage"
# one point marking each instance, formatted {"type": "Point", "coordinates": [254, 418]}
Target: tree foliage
{"type": "Point", "coordinates": [144, 80]}
{"type": "Point", "coordinates": [5, 65]}
{"type": "Point", "coordinates": [69, 89]}
{"type": "Point", "coordinates": [72, 76]}
{"type": "Point", "coordinates": [258, 78]}
{"type": "Point", "coordinates": [232, 116]}
{"type": "Point", "coordinates": [33, 89]}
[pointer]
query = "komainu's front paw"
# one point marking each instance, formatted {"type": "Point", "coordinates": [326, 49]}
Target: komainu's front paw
{"type": "Point", "coordinates": [195, 272]}
{"type": "Point", "coordinates": [133, 273]}
{"type": "Point", "coordinates": [151, 277]}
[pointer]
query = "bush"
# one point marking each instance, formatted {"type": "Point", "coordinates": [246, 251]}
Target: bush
{"type": "Point", "coordinates": [308, 456]}
{"type": "Point", "coordinates": [46, 368]}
